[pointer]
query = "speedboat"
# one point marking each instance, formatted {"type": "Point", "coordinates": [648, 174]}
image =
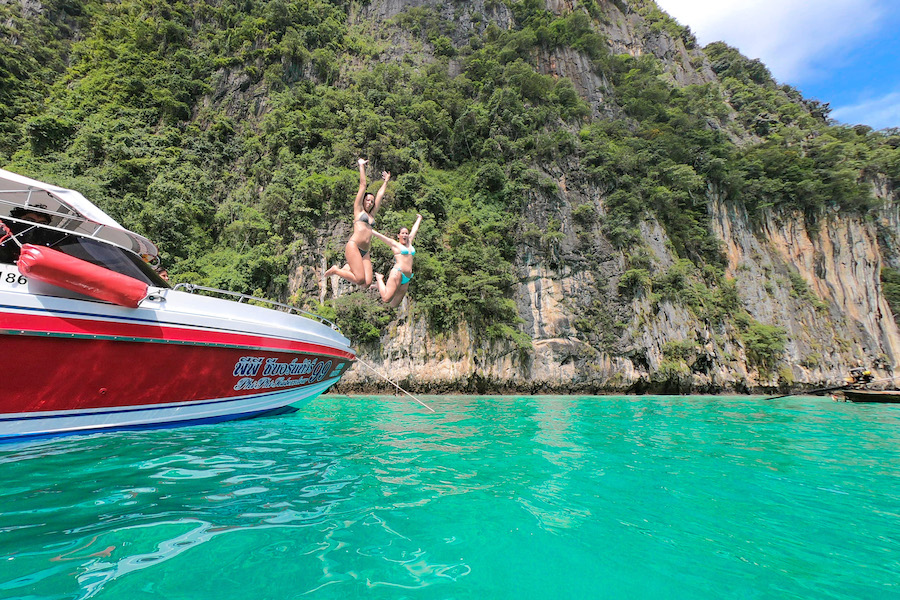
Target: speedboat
{"type": "Point", "coordinates": [94, 339]}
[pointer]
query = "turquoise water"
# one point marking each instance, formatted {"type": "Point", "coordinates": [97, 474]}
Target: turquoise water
{"type": "Point", "coordinates": [490, 497]}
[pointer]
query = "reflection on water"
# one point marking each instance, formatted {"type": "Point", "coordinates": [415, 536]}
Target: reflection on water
{"type": "Point", "coordinates": [488, 497]}
{"type": "Point", "coordinates": [554, 502]}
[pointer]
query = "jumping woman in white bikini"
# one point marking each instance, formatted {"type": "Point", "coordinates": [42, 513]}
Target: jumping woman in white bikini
{"type": "Point", "coordinates": [393, 291]}
{"type": "Point", "coordinates": [358, 268]}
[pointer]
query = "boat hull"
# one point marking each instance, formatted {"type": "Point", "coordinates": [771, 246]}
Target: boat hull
{"type": "Point", "coordinates": [115, 384]}
{"type": "Point", "coordinates": [23, 426]}
{"type": "Point", "coordinates": [82, 366]}
{"type": "Point", "coordinates": [885, 396]}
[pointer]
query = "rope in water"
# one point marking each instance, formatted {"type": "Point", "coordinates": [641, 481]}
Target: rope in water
{"type": "Point", "coordinates": [374, 370]}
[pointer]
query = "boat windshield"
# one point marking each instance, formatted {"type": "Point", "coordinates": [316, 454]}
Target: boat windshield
{"type": "Point", "coordinates": [93, 251]}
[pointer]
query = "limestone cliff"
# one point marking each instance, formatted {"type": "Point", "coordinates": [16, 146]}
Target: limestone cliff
{"type": "Point", "coordinates": [851, 323]}
{"type": "Point", "coordinates": [675, 220]}
{"type": "Point", "coordinates": [819, 282]}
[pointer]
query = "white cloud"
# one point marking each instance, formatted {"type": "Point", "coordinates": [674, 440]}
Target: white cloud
{"type": "Point", "coordinates": [878, 113]}
{"type": "Point", "coordinates": [790, 36]}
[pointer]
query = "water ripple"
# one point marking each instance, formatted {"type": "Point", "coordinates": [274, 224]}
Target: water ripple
{"type": "Point", "coordinates": [501, 497]}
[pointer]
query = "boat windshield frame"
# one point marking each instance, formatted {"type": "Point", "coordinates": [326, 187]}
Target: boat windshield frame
{"type": "Point", "coordinates": [59, 205]}
{"type": "Point", "coordinates": [95, 250]}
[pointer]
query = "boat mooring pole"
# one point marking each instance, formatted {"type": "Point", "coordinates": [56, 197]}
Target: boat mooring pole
{"type": "Point", "coordinates": [374, 370]}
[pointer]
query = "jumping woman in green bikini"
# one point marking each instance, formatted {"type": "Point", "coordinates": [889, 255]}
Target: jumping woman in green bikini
{"type": "Point", "coordinates": [393, 291]}
{"type": "Point", "coordinates": [358, 268]}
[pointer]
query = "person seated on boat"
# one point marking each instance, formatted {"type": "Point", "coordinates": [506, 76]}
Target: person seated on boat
{"type": "Point", "coordinates": [860, 376]}
{"type": "Point", "coordinates": [358, 268]}
{"type": "Point", "coordinates": [157, 267]}
{"type": "Point", "coordinates": [31, 213]}
{"type": "Point", "coordinates": [22, 231]}
{"type": "Point", "coordinates": [394, 289]}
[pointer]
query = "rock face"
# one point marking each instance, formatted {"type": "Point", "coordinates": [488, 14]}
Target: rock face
{"type": "Point", "coordinates": [820, 283]}
{"type": "Point", "coordinates": [840, 262]}
{"type": "Point", "coordinates": [850, 323]}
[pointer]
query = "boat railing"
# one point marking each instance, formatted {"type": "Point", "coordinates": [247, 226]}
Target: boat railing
{"type": "Point", "coordinates": [192, 287]}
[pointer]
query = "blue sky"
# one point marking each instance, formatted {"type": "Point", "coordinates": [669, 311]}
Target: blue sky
{"type": "Point", "coordinates": [843, 52]}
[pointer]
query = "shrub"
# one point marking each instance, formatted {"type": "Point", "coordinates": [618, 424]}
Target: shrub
{"type": "Point", "coordinates": [361, 317]}
{"type": "Point", "coordinates": [765, 344]}
{"type": "Point", "coordinates": [634, 282]}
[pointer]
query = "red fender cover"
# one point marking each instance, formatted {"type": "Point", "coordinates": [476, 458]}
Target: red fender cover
{"type": "Point", "coordinates": [53, 267]}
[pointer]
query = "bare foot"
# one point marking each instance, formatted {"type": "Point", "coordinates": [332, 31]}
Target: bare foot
{"type": "Point", "coordinates": [330, 271]}
{"type": "Point", "coordinates": [379, 277]}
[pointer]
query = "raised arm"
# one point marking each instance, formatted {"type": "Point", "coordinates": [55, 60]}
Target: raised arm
{"type": "Point", "coordinates": [394, 244]}
{"type": "Point", "coordinates": [384, 175]}
{"type": "Point", "coordinates": [415, 228]}
{"type": "Point", "coordinates": [358, 203]}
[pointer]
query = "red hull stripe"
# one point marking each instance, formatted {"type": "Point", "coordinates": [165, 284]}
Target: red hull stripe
{"type": "Point", "coordinates": [52, 374]}
{"type": "Point", "coordinates": [29, 324]}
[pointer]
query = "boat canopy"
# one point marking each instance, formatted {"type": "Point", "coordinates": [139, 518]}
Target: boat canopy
{"type": "Point", "coordinates": [70, 211]}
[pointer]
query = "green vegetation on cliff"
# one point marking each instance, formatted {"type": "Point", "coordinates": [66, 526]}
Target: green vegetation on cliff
{"type": "Point", "coordinates": [227, 132]}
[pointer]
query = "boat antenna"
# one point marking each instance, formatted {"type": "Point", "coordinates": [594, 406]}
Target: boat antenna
{"type": "Point", "coordinates": [374, 370]}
